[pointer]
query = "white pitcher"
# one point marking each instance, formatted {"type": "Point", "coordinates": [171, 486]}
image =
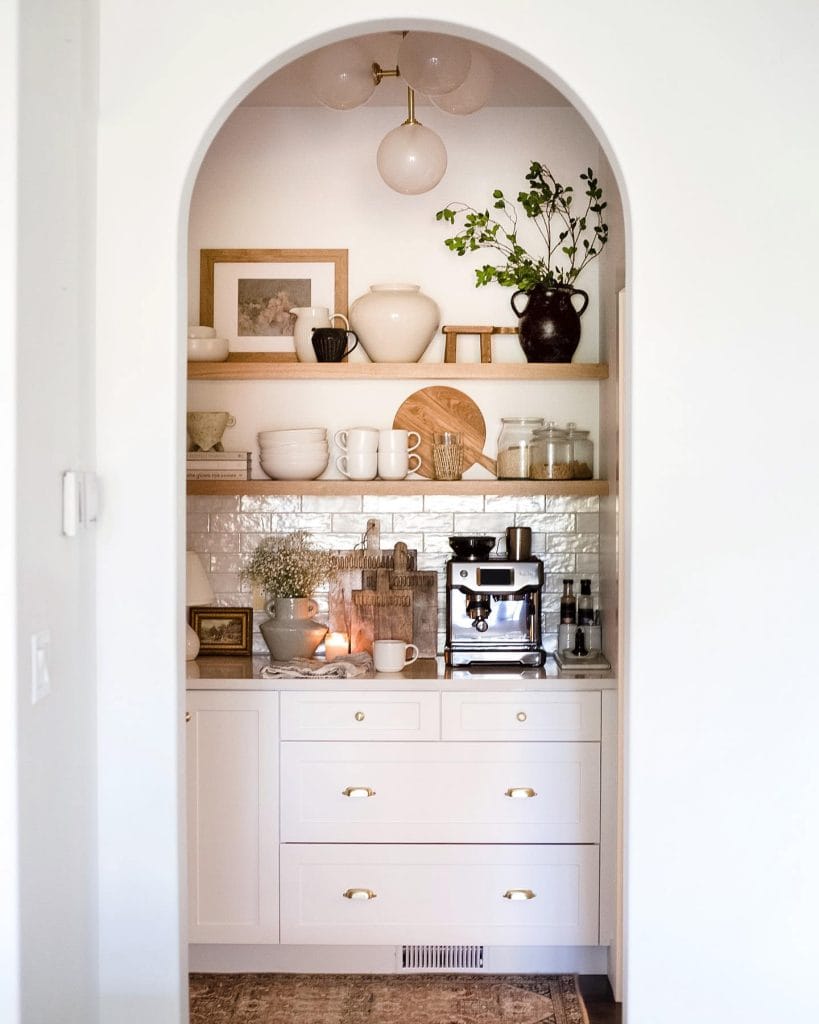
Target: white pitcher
{"type": "Point", "coordinates": [308, 317]}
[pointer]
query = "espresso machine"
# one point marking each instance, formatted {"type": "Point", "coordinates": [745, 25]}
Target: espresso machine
{"type": "Point", "coordinates": [492, 605]}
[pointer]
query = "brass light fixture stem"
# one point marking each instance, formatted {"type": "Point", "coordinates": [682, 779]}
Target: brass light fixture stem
{"type": "Point", "coordinates": [379, 72]}
{"type": "Point", "coordinates": [410, 107]}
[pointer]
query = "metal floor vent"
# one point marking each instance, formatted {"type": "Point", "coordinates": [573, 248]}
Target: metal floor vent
{"type": "Point", "coordinates": [442, 958]}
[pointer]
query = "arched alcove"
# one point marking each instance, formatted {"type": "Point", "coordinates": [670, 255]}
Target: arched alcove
{"type": "Point", "coordinates": [229, 209]}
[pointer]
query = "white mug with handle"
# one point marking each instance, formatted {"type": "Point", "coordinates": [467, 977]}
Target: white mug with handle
{"type": "Point", "coordinates": [358, 465]}
{"type": "Point", "coordinates": [393, 655]}
{"type": "Point", "coordinates": [394, 465]}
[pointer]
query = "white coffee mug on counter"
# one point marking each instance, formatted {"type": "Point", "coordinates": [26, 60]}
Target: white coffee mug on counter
{"type": "Point", "coordinates": [398, 440]}
{"type": "Point", "coordinates": [357, 439]}
{"type": "Point", "coordinates": [358, 465]}
{"type": "Point", "coordinates": [393, 655]}
{"type": "Point", "coordinates": [394, 465]}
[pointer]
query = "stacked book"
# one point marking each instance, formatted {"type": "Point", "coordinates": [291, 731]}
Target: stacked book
{"type": "Point", "coordinates": [215, 465]}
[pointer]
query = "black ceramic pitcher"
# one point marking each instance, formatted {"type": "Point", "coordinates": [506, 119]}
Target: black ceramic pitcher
{"type": "Point", "coordinates": [549, 327]}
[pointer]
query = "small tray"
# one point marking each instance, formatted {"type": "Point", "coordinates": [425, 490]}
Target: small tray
{"type": "Point", "coordinates": [594, 661]}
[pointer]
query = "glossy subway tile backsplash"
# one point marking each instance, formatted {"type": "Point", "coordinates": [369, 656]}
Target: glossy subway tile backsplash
{"type": "Point", "coordinates": [565, 535]}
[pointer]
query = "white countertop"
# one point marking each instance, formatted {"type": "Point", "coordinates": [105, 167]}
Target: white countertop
{"type": "Point", "coordinates": [232, 673]}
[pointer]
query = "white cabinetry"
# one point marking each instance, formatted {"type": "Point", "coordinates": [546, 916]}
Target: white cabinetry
{"type": "Point", "coordinates": [232, 795]}
{"type": "Point", "coordinates": [515, 825]}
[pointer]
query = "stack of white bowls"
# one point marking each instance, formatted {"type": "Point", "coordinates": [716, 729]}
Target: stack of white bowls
{"type": "Point", "coordinates": [300, 453]}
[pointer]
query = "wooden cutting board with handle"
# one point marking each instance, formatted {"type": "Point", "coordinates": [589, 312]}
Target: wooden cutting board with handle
{"type": "Point", "coordinates": [352, 563]}
{"type": "Point", "coordinates": [380, 614]}
{"type": "Point", "coordinates": [424, 587]}
{"type": "Point", "coordinates": [436, 409]}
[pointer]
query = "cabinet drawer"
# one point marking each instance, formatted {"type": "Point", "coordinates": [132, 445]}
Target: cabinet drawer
{"type": "Point", "coordinates": [360, 716]}
{"type": "Point", "coordinates": [439, 894]}
{"type": "Point", "coordinates": [440, 792]}
{"type": "Point", "coordinates": [520, 716]}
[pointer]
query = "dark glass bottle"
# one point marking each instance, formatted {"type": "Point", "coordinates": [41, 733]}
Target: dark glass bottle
{"type": "Point", "coordinates": [585, 605]}
{"type": "Point", "coordinates": [568, 604]}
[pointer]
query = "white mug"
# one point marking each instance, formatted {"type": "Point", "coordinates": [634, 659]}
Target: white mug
{"type": "Point", "coordinates": [358, 465]}
{"type": "Point", "coordinates": [357, 439]}
{"type": "Point", "coordinates": [398, 440]}
{"type": "Point", "coordinates": [394, 465]}
{"type": "Point", "coordinates": [391, 655]}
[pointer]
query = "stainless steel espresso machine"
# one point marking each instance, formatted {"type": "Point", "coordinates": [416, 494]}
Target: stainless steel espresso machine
{"type": "Point", "coordinates": [492, 605]}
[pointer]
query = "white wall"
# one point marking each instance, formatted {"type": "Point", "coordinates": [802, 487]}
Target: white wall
{"type": "Point", "coordinates": [9, 862]}
{"type": "Point", "coordinates": [52, 582]}
{"type": "Point", "coordinates": [708, 118]}
{"type": "Point", "coordinates": [307, 178]}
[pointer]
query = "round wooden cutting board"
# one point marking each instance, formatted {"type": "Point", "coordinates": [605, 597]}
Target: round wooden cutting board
{"type": "Point", "coordinates": [435, 409]}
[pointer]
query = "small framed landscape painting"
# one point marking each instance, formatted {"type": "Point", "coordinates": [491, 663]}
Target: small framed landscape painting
{"type": "Point", "coordinates": [248, 295]}
{"type": "Point", "coordinates": [222, 630]}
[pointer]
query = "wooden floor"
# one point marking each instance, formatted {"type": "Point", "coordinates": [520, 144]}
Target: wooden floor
{"type": "Point", "coordinates": [599, 1001]}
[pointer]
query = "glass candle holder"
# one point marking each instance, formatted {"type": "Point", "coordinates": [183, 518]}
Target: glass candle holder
{"type": "Point", "coordinates": [447, 455]}
{"type": "Point", "coordinates": [336, 645]}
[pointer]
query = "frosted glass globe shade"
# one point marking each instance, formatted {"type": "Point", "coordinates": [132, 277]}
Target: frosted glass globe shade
{"type": "Point", "coordinates": [433, 64]}
{"type": "Point", "coordinates": [341, 76]}
{"type": "Point", "coordinates": [473, 93]}
{"type": "Point", "coordinates": [411, 159]}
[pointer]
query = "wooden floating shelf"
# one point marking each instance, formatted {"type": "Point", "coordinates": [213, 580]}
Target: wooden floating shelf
{"type": "Point", "coordinates": [263, 366]}
{"type": "Point", "coordinates": [514, 488]}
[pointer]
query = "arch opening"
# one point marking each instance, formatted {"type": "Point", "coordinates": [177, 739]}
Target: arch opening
{"type": "Point", "coordinates": [233, 147]}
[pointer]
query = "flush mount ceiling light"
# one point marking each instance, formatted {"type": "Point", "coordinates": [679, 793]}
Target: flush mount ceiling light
{"type": "Point", "coordinates": [455, 76]}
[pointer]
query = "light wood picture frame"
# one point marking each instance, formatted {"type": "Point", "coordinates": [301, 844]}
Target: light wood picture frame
{"type": "Point", "coordinates": [246, 294]}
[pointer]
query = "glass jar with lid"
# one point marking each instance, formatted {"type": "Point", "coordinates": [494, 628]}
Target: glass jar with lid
{"type": "Point", "coordinates": [551, 454]}
{"type": "Point", "coordinates": [514, 446]}
{"type": "Point", "coordinates": [582, 452]}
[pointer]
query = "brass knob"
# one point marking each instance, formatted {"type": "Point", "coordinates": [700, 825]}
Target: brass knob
{"type": "Point", "coordinates": [359, 716]}
{"type": "Point", "coordinates": [358, 791]}
{"type": "Point", "coordinates": [520, 792]}
{"type": "Point", "coordinates": [359, 894]}
{"type": "Point", "coordinates": [518, 894]}
{"type": "Point", "coordinates": [188, 716]}
{"type": "Point", "coordinates": [521, 716]}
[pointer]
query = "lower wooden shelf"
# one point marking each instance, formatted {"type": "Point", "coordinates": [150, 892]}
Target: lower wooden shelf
{"type": "Point", "coordinates": [514, 488]}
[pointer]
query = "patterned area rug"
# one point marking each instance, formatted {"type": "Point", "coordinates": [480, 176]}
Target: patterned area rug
{"type": "Point", "coordinates": [385, 999]}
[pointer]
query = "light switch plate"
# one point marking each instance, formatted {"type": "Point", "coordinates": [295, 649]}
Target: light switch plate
{"type": "Point", "coordinates": [80, 501]}
{"type": "Point", "coordinates": [40, 673]}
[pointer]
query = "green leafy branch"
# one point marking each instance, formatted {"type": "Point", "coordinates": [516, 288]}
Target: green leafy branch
{"type": "Point", "coordinates": [572, 240]}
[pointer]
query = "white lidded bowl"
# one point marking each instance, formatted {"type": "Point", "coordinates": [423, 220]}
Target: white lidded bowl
{"type": "Point", "coordinates": [207, 350]}
{"type": "Point", "coordinates": [201, 331]}
{"type": "Point", "coordinates": [293, 434]}
{"type": "Point", "coordinates": [304, 467]}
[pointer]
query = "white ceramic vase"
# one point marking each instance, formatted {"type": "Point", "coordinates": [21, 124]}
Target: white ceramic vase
{"type": "Point", "coordinates": [290, 632]}
{"type": "Point", "coordinates": [395, 322]}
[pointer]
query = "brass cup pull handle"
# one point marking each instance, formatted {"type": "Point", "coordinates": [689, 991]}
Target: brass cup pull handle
{"type": "Point", "coordinates": [357, 792]}
{"type": "Point", "coordinates": [521, 716]}
{"type": "Point", "coordinates": [520, 792]}
{"type": "Point", "coordinates": [359, 894]}
{"type": "Point", "coordinates": [519, 894]}
{"type": "Point", "coordinates": [359, 716]}
{"type": "Point", "coordinates": [188, 716]}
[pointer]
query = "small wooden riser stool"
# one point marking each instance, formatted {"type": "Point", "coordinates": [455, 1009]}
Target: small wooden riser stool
{"type": "Point", "coordinates": [484, 333]}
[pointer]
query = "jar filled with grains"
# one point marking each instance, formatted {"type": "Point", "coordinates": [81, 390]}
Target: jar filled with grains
{"type": "Point", "coordinates": [551, 454]}
{"type": "Point", "coordinates": [514, 444]}
{"type": "Point", "coordinates": [582, 452]}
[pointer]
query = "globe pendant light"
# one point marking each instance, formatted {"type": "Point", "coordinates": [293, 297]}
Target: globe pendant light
{"type": "Point", "coordinates": [473, 92]}
{"type": "Point", "coordinates": [411, 158]}
{"type": "Point", "coordinates": [433, 64]}
{"type": "Point", "coordinates": [340, 76]}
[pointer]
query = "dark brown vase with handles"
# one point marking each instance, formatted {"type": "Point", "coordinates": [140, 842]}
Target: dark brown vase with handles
{"type": "Point", "coordinates": [549, 328]}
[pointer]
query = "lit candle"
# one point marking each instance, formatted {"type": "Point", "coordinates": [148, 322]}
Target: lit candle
{"type": "Point", "coordinates": [335, 645]}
